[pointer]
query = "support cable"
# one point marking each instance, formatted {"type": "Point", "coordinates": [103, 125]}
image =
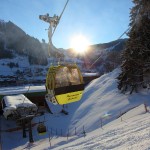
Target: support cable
{"type": "Point", "coordinates": [116, 44]}
{"type": "Point", "coordinates": [60, 17]}
{"type": "Point", "coordinates": [134, 22]}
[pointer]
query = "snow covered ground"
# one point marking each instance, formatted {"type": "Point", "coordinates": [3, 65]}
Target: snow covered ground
{"type": "Point", "coordinates": [21, 89]}
{"type": "Point", "coordinates": [98, 114]}
{"type": "Point", "coordinates": [131, 133]}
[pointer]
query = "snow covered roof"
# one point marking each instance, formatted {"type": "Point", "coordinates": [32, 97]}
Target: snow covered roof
{"type": "Point", "coordinates": [15, 101]}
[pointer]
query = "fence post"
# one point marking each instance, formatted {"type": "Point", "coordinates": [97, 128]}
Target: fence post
{"type": "Point", "coordinates": [68, 135]}
{"type": "Point", "coordinates": [84, 133]}
{"type": "Point", "coordinates": [101, 123]}
{"type": "Point", "coordinates": [50, 140]}
{"type": "Point", "coordinates": [75, 131]}
{"type": "Point", "coordinates": [145, 106]}
{"type": "Point", "coordinates": [120, 116]}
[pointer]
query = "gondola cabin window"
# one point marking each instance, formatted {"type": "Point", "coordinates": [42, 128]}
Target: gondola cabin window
{"type": "Point", "coordinates": [67, 77]}
{"type": "Point", "coordinates": [74, 78]}
{"type": "Point", "coordinates": [61, 78]}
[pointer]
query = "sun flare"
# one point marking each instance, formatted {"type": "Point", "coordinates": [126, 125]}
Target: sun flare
{"type": "Point", "coordinates": [79, 43]}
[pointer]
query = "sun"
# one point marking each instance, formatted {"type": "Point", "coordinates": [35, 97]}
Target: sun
{"type": "Point", "coordinates": [79, 43]}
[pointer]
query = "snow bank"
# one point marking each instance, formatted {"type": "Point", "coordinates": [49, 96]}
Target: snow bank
{"type": "Point", "coordinates": [21, 89]}
{"type": "Point", "coordinates": [102, 100]}
{"type": "Point", "coordinates": [131, 133]}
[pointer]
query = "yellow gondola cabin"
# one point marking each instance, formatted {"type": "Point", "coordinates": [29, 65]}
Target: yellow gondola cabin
{"type": "Point", "coordinates": [64, 84]}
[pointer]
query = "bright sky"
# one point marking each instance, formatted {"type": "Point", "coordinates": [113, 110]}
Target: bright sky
{"type": "Point", "coordinates": [100, 21]}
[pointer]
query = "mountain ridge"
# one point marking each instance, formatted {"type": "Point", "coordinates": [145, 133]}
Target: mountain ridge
{"type": "Point", "coordinates": [20, 52]}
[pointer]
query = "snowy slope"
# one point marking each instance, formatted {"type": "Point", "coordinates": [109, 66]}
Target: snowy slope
{"type": "Point", "coordinates": [103, 100]}
{"type": "Point", "coordinates": [6, 70]}
{"type": "Point", "coordinates": [25, 71]}
{"type": "Point", "coordinates": [101, 103]}
{"type": "Point", "coordinates": [131, 133]}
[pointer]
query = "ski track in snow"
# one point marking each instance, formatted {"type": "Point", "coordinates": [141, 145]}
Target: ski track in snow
{"type": "Point", "coordinates": [135, 136]}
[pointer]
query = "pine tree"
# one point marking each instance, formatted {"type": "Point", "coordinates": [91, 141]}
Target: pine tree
{"type": "Point", "coordinates": [136, 56]}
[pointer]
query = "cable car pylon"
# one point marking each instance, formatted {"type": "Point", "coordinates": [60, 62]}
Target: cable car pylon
{"type": "Point", "coordinates": [64, 82]}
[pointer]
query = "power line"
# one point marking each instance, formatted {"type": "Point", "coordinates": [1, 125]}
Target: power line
{"type": "Point", "coordinates": [134, 22]}
{"type": "Point", "coordinates": [116, 44]}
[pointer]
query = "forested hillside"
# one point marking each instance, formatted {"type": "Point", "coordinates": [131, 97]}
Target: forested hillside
{"type": "Point", "coordinates": [25, 57]}
{"type": "Point", "coordinates": [14, 38]}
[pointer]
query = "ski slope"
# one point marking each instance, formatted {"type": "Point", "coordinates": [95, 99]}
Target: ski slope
{"type": "Point", "coordinates": [130, 133]}
{"type": "Point", "coordinates": [98, 113]}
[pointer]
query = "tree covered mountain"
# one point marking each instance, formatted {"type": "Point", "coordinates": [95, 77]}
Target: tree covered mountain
{"type": "Point", "coordinates": [14, 38]}
{"type": "Point", "coordinates": [104, 57]}
{"type": "Point", "coordinates": [28, 53]}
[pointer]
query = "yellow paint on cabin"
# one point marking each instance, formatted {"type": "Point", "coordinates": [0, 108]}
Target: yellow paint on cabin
{"type": "Point", "coordinates": [69, 97]}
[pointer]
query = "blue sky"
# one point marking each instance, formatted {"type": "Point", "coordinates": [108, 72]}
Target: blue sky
{"type": "Point", "coordinates": [101, 21]}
